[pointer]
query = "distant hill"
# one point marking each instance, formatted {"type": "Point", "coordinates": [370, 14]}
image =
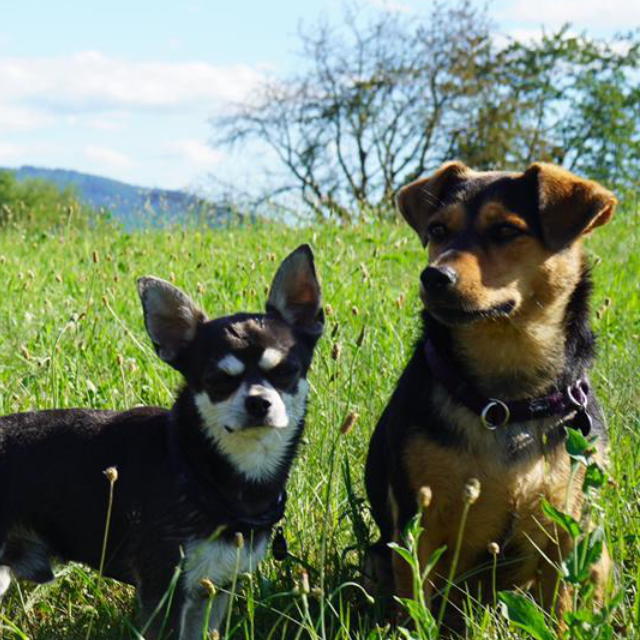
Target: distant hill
{"type": "Point", "coordinates": [133, 206]}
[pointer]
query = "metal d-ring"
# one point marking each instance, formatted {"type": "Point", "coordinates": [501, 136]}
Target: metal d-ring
{"type": "Point", "coordinates": [582, 403]}
{"type": "Point", "coordinates": [494, 402]}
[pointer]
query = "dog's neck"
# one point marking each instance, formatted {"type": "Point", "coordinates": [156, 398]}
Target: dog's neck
{"type": "Point", "coordinates": [512, 361]}
{"type": "Point", "coordinates": [516, 359]}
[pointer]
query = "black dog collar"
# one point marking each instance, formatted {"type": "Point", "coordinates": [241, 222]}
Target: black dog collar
{"type": "Point", "coordinates": [495, 413]}
{"type": "Point", "coordinates": [211, 499]}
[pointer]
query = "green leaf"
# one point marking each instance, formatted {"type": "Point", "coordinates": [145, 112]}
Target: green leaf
{"type": "Point", "coordinates": [577, 565]}
{"type": "Point", "coordinates": [577, 446]}
{"type": "Point", "coordinates": [422, 618]}
{"type": "Point", "coordinates": [564, 520]}
{"type": "Point", "coordinates": [587, 625]}
{"type": "Point", "coordinates": [616, 600]}
{"type": "Point", "coordinates": [525, 614]}
{"type": "Point", "coordinates": [433, 560]}
{"type": "Point", "coordinates": [595, 544]}
{"type": "Point", "coordinates": [593, 477]}
{"type": "Point", "coordinates": [402, 552]}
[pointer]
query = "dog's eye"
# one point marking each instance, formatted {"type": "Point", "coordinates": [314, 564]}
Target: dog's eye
{"type": "Point", "coordinates": [437, 232]}
{"type": "Point", "coordinates": [505, 232]}
{"type": "Point", "coordinates": [284, 375]}
{"type": "Point", "coordinates": [221, 381]}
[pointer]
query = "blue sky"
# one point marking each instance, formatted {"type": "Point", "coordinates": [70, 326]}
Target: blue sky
{"type": "Point", "coordinates": [126, 89]}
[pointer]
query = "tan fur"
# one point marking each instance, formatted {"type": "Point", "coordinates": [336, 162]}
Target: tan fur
{"type": "Point", "coordinates": [530, 342]}
{"type": "Point", "coordinates": [509, 503]}
{"type": "Point", "coordinates": [495, 212]}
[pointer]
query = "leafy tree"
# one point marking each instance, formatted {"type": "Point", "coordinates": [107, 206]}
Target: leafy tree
{"type": "Point", "coordinates": [567, 99]}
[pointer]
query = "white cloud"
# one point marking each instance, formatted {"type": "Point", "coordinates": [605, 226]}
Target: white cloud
{"type": "Point", "coordinates": [196, 153]}
{"type": "Point", "coordinates": [105, 124]}
{"type": "Point", "coordinates": [390, 5]}
{"type": "Point", "coordinates": [8, 151]}
{"type": "Point", "coordinates": [15, 118]}
{"type": "Point", "coordinates": [92, 82]}
{"type": "Point", "coordinates": [614, 14]}
{"type": "Point", "coordinates": [109, 158]}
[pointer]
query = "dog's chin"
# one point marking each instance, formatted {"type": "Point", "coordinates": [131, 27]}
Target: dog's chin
{"type": "Point", "coordinates": [457, 316]}
{"type": "Point", "coordinates": [253, 430]}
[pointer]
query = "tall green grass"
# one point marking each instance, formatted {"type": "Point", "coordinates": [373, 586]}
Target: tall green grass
{"type": "Point", "coordinates": [71, 334]}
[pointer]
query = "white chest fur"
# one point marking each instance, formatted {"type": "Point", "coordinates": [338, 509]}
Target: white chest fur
{"type": "Point", "coordinates": [220, 560]}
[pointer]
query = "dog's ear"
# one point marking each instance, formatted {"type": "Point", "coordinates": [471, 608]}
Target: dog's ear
{"type": "Point", "coordinates": [295, 293]}
{"type": "Point", "coordinates": [171, 318]}
{"type": "Point", "coordinates": [568, 206]}
{"type": "Point", "coordinates": [420, 199]}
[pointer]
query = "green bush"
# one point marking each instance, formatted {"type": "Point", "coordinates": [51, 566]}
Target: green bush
{"type": "Point", "coordinates": [39, 204]}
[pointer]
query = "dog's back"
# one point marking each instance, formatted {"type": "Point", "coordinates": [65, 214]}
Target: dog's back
{"type": "Point", "coordinates": [53, 491]}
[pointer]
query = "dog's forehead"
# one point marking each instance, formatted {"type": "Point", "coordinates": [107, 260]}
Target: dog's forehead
{"type": "Point", "coordinates": [253, 333]}
{"type": "Point", "coordinates": [508, 189]}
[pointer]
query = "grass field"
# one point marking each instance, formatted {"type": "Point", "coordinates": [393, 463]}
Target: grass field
{"type": "Point", "coordinates": [71, 334]}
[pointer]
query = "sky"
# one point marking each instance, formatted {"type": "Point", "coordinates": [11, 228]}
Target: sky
{"type": "Point", "coordinates": [127, 89]}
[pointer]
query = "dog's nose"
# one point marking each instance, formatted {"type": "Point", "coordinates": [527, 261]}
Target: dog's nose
{"type": "Point", "coordinates": [436, 279]}
{"type": "Point", "coordinates": [257, 406]}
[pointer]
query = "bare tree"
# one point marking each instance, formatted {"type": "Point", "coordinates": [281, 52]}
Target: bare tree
{"type": "Point", "coordinates": [379, 103]}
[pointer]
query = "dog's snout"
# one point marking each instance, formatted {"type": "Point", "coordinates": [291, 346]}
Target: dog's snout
{"type": "Point", "coordinates": [436, 279]}
{"type": "Point", "coordinates": [257, 406]}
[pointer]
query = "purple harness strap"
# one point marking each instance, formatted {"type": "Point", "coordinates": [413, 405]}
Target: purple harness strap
{"type": "Point", "coordinates": [494, 412]}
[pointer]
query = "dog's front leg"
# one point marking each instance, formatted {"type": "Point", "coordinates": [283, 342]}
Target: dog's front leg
{"type": "Point", "coordinates": [162, 618]}
{"type": "Point", "coordinates": [203, 613]}
{"type": "Point", "coordinates": [160, 622]}
{"type": "Point", "coordinates": [163, 599]}
{"type": "Point", "coordinates": [429, 540]}
{"type": "Point", "coordinates": [187, 615]}
{"type": "Point", "coordinates": [404, 579]}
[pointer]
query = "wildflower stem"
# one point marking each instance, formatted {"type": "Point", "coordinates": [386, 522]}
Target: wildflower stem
{"type": "Point", "coordinates": [112, 477]}
{"type": "Point", "coordinates": [454, 564]}
{"type": "Point", "coordinates": [493, 580]}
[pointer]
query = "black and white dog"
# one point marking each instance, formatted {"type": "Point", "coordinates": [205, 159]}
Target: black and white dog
{"type": "Point", "coordinates": [189, 478]}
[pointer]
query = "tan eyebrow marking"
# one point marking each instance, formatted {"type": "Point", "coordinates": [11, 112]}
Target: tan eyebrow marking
{"type": "Point", "coordinates": [231, 365]}
{"type": "Point", "coordinates": [496, 212]}
{"type": "Point", "coordinates": [270, 358]}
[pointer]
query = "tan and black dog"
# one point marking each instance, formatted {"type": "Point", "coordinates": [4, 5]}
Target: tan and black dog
{"type": "Point", "coordinates": [500, 369]}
